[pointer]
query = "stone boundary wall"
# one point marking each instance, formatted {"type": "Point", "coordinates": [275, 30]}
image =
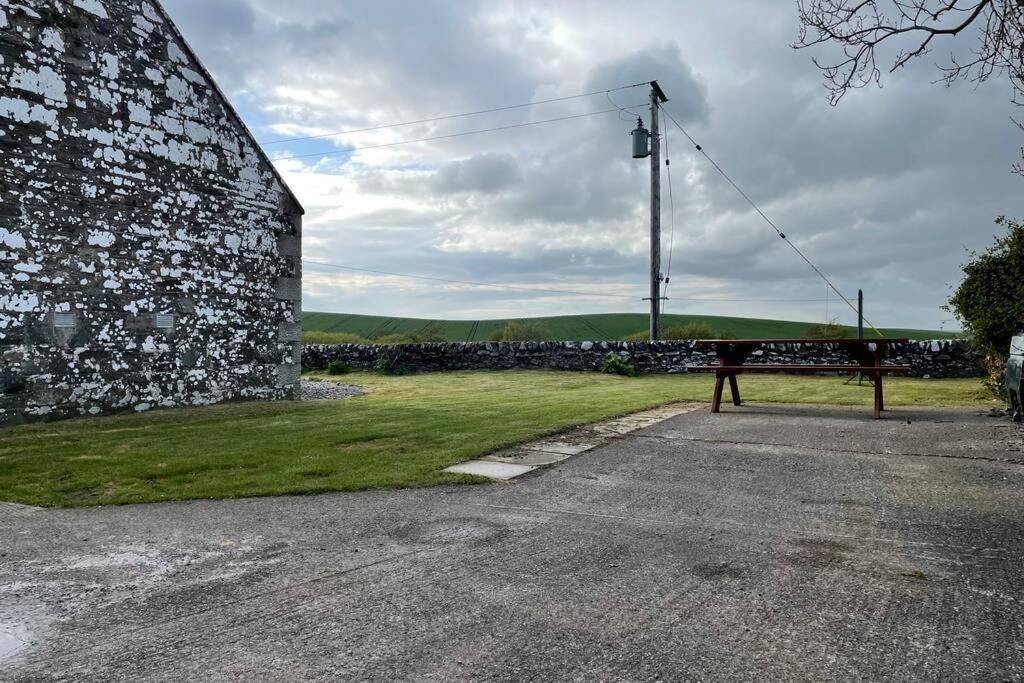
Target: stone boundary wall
{"type": "Point", "coordinates": [940, 358]}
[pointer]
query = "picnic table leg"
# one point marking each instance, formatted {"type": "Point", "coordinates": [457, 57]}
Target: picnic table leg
{"type": "Point", "coordinates": [716, 399]}
{"type": "Point", "coordinates": [878, 380]}
{"type": "Point", "coordinates": [734, 388]}
{"type": "Point", "coordinates": [878, 395]}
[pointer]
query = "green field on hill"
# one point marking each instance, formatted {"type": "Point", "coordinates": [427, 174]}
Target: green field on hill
{"type": "Point", "coordinates": [595, 327]}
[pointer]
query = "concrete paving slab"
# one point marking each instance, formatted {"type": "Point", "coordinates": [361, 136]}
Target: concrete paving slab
{"type": "Point", "coordinates": [560, 447]}
{"type": "Point", "coordinates": [522, 456]}
{"type": "Point", "coordinates": [492, 470]}
{"type": "Point", "coordinates": [548, 452]}
{"type": "Point", "coordinates": [619, 428]}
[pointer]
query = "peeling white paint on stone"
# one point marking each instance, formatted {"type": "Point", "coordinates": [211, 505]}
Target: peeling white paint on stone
{"type": "Point", "coordinates": [109, 68]}
{"type": "Point", "coordinates": [177, 89]}
{"type": "Point", "coordinates": [27, 112]}
{"type": "Point", "coordinates": [44, 81]}
{"type": "Point", "coordinates": [142, 124]}
{"type": "Point", "coordinates": [104, 137]}
{"type": "Point", "coordinates": [50, 38]}
{"type": "Point", "coordinates": [19, 303]}
{"type": "Point", "coordinates": [93, 6]}
{"type": "Point", "coordinates": [176, 54]}
{"type": "Point", "coordinates": [139, 113]}
{"type": "Point", "coordinates": [11, 239]}
{"type": "Point", "coordinates": [101, 238]}
{"type": "Point", "coordinates": [143, 26]}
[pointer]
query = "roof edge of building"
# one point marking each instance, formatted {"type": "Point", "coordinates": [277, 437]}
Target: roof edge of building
{"type": "Point", "coordinates": [226, 101]}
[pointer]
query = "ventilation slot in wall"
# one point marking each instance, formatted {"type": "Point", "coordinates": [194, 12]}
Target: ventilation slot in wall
{"type": "Point", "coordinates": [64, 321]}
{"type": "Point", "coordinates": [165, 321]}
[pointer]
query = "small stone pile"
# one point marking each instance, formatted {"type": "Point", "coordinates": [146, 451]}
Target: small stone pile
{"type": "Point", "coordinates": [321, 390]}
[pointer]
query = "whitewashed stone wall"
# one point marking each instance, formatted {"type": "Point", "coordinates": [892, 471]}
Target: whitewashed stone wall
{"type": "Point", "coordinates": [149, 253]}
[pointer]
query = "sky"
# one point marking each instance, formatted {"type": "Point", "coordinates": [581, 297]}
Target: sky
{"type": "Point", "coordinates": [885, 192]}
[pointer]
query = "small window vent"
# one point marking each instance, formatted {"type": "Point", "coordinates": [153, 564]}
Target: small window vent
{"type": "Point", "coordinates": [64, 321]}
{"type": "Point", "coordinates": [165, 321]}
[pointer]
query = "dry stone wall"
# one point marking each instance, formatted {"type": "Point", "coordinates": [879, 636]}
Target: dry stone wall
{"type": "Point", "coordinates": [149, 253]}
{"type": "Point", "coordinates": [926, 358]}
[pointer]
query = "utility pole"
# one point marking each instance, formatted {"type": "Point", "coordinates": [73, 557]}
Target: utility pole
{"type": "Point", "coordinates": [860, 314]}
{"type": "Point", "coordinates": [860, 334]}
{"type": "Point", "coordinates": [657, 97]}
{"type": "Point", "coordinates": [641, 149]}
{"type": "Point", "coordinates": [860, 324]}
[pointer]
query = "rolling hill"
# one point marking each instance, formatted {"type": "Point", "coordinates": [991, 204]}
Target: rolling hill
{"type": "Point", "coordinates": [595, 327]}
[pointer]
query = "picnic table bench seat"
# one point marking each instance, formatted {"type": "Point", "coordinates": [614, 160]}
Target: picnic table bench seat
{"type": "Point", "coordinates": [769, 367]}
{"type": "Point", "coordinates": [733, 353]}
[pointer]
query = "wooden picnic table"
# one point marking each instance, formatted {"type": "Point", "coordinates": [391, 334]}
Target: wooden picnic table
{"type": "Point", "coordinates": [866, 354]}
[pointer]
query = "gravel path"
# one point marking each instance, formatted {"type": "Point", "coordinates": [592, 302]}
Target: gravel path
{"type": "Point", "coordinates": [320, 390]}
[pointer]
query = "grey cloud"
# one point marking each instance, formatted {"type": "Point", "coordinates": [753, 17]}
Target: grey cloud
{"type": "Point", "coordinates": [217, 29]}
{"type": "Point", "coordinates": [486, 173]}
{"type": "Point", "coordinates": [883, 192]}
{"type": "Point", "coordinates": [663, 63]}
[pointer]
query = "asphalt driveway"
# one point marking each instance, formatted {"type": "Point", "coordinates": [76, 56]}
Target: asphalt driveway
{"type": "Point", "coordinates": [770, 542]}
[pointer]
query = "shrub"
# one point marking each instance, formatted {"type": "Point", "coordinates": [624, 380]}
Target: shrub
{"type": "Point", "coordinates": [429, 335]}
{"type": "Point", "coordinates": [695, 330]}
{"type": "Point", "coordinates": [613, 364]}
{"type": "Point", "coordinates": [994, 365]}
{"type": "Point", "coordinates": [390, 363]}
{"type": "Point", "coordinates": [314, 337]}
{"type": "Point", "coordinates": [338, 367]}
{"type": "Point", "coordinates": [829, 330]}
{"type": "Point", "coordinates": [515, 330]}
{"type": "Point", "coordinates": [426, 336]}
{"type": "Point", "coordinates": [394, 338]}
{"type": "Point", "coordinates": [990, 300]}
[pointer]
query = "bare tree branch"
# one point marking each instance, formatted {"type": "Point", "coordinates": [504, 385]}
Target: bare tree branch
{"type": "Point", "coordinates": [861, 28]}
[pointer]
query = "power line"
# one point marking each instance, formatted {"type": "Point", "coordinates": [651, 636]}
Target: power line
{"type": "Point", "coordinates": [672, 220]}
{"type": "Point", "coordinates": [530, 289]}
{"type": "Point", "coordinates": [615, 104]}
{"type": "Point", "coordinates": [781, 234]}
{"type": "Point", "coordinates": [452, 116]}
{"type": "Point", "coordinates": [451, 135]}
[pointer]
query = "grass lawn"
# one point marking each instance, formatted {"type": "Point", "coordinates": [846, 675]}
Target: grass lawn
{"type": "Point", "coordinates": [400, 434]}
{"type": "Point", "coordinates": [591, 327]}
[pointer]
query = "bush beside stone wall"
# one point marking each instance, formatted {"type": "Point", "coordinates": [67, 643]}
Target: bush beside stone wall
{"type": "Point", "coordinates": [927, 358]}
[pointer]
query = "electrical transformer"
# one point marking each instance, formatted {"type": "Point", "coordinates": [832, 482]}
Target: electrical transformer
{"type": "Point", "coordinates": [641, 140]}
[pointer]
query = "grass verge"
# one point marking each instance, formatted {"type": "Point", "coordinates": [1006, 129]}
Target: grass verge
{"type": "Point", "coordinates": [400, 434]}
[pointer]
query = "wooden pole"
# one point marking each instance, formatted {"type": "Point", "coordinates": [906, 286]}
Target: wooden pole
{"type": "Point", "coordinates": [655, 217]}
{"type": "Point", "coordinates": [860, 324]}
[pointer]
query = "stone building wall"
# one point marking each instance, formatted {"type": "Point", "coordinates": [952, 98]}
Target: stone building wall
{"type": "Point", "coordinates": [926, 358]}
{"type": "Point", "coordinates": [149, 252]}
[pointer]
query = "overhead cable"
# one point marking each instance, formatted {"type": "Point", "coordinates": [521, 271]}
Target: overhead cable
{"type": "Point", "coordinates": [453, 116]}
{"type": "Point", "coordinates": [672, 222]}
{"type": "Point", "coordinates": [768, 220]}
{"type": "Point", "coordinates": [451, 135]}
